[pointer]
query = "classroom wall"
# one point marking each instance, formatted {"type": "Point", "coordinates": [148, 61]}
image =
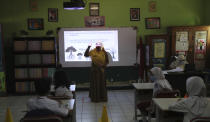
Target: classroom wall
{"type": "Point", "coordinates": [14, 15]}
{"type": "Point", "coordinates": [206, 13]}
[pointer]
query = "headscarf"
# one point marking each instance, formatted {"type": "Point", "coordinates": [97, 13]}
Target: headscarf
{"type": "Point", "coordinates": [160, 81]}
{"type": "Point", "coordinates": [179, 62]}
{"type": "Point", "coordinates": [196, 90]}
{"type": "Point", "coordinates": [99, 44]}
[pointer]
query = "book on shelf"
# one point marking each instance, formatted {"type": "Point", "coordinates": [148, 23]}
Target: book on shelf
{"type": "Point", "coordinates": [20, 45]}
{"type": "Point", "coordinates": [34, 45]}
{"type": "Point", "coordinates": [21, 73]}
{"type": "Point", "coordinates": [20, 59]}
{"type": "Point", "coordinates": [48, 59]}
{"type": "Point", "coordinates": [35, 73]}
{"type": "Point", "coordinates": [22, 87]}
{"type": "Point", "coordinates": [48, 45]}
{"type": "Point", "coordinates": [51, 72]}
{"type": "Point", "coordinates": [34, 59]}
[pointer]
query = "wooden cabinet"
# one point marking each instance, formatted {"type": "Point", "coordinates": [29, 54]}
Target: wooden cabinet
{"type": "Point", "coordinates": [193, 42]}
{"type": "Point", "coordinates": [157, 51]}
{"type": "Point", "coordinates": [34, 58]}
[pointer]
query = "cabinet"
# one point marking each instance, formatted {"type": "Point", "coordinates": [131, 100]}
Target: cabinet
{"type": "Point", "coordinates": [193, 42]}
{"type": "Point", "coordinates": [158, 51]}
{"type": "Point", "coordinates": [34, 58]}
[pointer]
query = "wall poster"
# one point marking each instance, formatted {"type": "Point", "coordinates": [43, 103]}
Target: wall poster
{"type": "Point", "coordinates": [159, 50]}
{"type": "Point", "coordinates": [200, 49]}
{"type": "Point", "coordinates": [182, 43]}
{"type": "Point", "coordinates": [159, 53]}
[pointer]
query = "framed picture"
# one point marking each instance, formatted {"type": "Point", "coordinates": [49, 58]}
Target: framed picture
{"type": "Point", "coordinates": [152, 23]}
{"type": "Point", "coordinates": [95, 21]}
{"type": "Point", "coordinates": [33, 5]}
{"type": "Point", "coordinates": [52, 15]}
{"type": "Point", "coordinates": [35, 24]}
{"type": "Point", "coordinates": [134, 14]}
{"type": "Point", "coordinates": [94, 9]}
{"type": "Point", "coordinates": [152, 6]}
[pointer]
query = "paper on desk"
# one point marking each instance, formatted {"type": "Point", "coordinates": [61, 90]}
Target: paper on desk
{"type": "Point", "coordinates": [178, 69]}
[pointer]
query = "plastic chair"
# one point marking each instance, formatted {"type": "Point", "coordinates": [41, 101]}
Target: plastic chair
{"type": "Point", "coordinates": [201, 119]}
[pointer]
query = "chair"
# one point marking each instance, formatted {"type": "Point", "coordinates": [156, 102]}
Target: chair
{"type": "Point", "coordinates": [41, 115]}
{"type": "Point", "coordinates": [201, 119]}
{"type": "Point", "coordinates": [146, 107]}
{"type": "Point", "coordinates": [167, 94]}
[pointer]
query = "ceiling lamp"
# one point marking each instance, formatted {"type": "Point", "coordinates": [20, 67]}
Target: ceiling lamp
{"type": "Point", "coordinates": [74, 5]}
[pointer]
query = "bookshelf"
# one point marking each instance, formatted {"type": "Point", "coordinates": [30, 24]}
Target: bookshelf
{"type": "Point", "coordinates": [34, 58]}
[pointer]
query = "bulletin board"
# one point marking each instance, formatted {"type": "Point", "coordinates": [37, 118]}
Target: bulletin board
{"type": "Point", "coordinates": [182, 41]}
{"type": "Point", "coordinates": [158, 50]}
{"type": "Point", "coordinates": [200, 49]}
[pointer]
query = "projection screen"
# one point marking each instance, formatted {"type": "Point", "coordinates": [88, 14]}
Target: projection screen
{"type": "Point", "coordinates": [120, 43]}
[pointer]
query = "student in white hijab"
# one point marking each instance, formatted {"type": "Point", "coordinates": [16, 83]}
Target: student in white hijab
{"type": "Point", "coordinates": [160, 83]}
{"type": "Point", "coordinates": [179, 63]}
{"type": "Point", "coordinates": [196, 105]}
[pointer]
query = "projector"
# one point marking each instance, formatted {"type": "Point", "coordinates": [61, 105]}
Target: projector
{"type": "Point", "coordinates": [74, 5]}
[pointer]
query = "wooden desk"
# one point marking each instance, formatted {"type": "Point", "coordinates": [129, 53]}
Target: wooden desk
{"type": "Point", "coordinates": [71, 105]}
{"type": "Point", "coordinates": [162, 105]}
{"type": "Point", "coordinates": [143, 91]}
{"type": "Point", "coordinates": [178, 79]}
{"type": "Point", "coordinates": [72, 88]}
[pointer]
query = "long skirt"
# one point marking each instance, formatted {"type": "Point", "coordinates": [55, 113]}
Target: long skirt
{"type": "Point", "coordinates": [98, 91]}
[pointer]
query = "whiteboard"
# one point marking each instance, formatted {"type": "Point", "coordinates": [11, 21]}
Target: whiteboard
{"type": "Point", "coordinates": [125, 46]}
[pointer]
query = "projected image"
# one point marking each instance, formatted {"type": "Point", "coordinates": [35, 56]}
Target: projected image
{"type": "Point", "coordinates": [76, 42]}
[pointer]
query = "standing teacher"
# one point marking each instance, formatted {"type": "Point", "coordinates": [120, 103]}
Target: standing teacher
{"type": "Point", "coordinates": [99, 57]}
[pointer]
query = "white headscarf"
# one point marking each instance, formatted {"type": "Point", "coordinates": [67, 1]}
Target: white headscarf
{"type": "Point", "coordinates": [160, 81]}
{"type": "Point", "coordinates": [196, 90]}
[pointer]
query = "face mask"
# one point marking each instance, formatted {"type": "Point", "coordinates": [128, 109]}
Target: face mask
{"type": "Point", "coordinates": [98, 48]}
{"type": "Point", "coordinates": [152, 78]}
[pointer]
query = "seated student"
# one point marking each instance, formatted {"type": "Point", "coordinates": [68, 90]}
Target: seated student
{"type": "Point", "coordinates": [196, 104]}
{"type": "Point", "coordinates": [160, 84]}
{"type": "Point", "coordinates": [61, 84]}
{"type": "Point", "coordinates": [179, 63]}
{"type": "Point", "coordinates": [41, 101]}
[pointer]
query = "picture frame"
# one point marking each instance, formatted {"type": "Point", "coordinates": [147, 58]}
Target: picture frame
{"type": "Point", "coordinates": [152, 6]}
{"type": "Point", "coordinates": [134, 14]}
{"type": "Point", "coordinates": [52, 14]}
{"type": "Point", "coordinates": [94, 21]}
{"type": "Point", "coordinates": [33, 5]}
{"type": "Point", "coordinates": [94, 9]}
{"type": "Point", "coordinates": [35, 24]}
{"type": "Point", "coordinates": [152, 23]}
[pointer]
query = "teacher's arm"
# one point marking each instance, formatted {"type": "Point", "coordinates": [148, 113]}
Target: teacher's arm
{"type": "Point", "coordinates": [87, 52]}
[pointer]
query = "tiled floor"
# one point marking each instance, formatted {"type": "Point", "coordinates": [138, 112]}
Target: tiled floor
{"type": "Point", "coordinates": [120, 107]}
